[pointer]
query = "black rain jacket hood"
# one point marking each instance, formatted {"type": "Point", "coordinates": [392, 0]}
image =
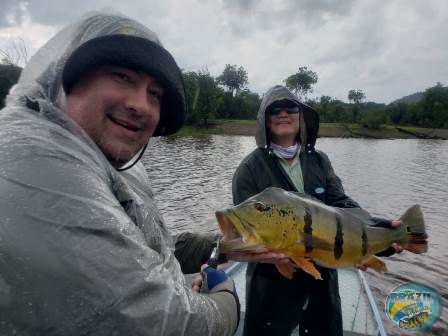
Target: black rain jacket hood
{"type": "Point", "coordinates": [261, 169]}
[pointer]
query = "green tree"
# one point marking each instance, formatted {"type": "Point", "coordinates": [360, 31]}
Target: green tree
{"type": "Point", "coordinates": [323, 107]}
{"type": "Point", "coordinates": [399, 113]}
{"type": "Point", "coordinates": [9, 74]}
{"type": "Point", "coordinates": [373, 119]}
{"type": "Point", "coordinates": [191, 90]}
{"type": "Point", "coordinates": [356, 96]}
{"type": "Point", "coordinates": [416, 115]}
{"type": "Point", "coordinates": [434, 105]}
{"type": "Point", "coordinates": [301, 82]}
{"type": "Point", "coordinates": [227, 108]}
{"type": "Point", "coordinates": [202, 96]}
{"type": "Point", "coordinates": [234, 78]}
{"type": "Point", "coordinates": [246, 105]}
{"type": "Point", "coordinates": [342, 114]}
{"type": "Point", "coordinates": [10, 59]}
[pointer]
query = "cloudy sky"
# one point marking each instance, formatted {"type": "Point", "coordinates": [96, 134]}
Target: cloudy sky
{"type": "Point", "coordinates": [387, 48]}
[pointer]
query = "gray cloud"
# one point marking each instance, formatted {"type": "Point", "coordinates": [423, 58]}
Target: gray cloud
{"type": "Point", "coordinates": [10, 14]}
{"type": "Point", "coordinates": [305, 8]}
{"type": "Point", "coordinates": [387, 50]}
{"type": "Point", "coordinates": [240, 5]}
{"type": "Point", "coordinates": [56, 12]}
{"type": "Point", "coordinates": [46, 12]}
{"type": "Point", "coordinates": [265, 14]}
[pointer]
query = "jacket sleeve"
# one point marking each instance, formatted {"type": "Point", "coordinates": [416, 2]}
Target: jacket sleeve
{"type": "Point", "coordinates": [193, 250]}
{"type": "Point", "coordinates": [74, 263]}
{"type": "Point", "coordinates": [243, 183]}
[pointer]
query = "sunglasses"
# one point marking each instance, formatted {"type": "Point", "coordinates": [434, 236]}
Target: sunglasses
{"type": "Point", "coordinates": [288, 109]}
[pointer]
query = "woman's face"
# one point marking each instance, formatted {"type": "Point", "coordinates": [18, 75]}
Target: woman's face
{"type": "Point", "coordinates": [283, 123]}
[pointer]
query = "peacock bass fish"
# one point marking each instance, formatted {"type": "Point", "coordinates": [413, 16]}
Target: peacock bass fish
{"type": "Point", "coordinates": [414, 321]}
{"type": "Point", "coordinates": [307, 231]}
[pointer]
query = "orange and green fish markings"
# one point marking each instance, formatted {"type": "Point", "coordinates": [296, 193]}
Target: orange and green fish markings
{"type": "Point", "coordinates": [310, 232]}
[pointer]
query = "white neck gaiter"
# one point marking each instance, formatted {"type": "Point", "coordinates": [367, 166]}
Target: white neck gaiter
{"type": "Point", "coordinates": [285, 152]}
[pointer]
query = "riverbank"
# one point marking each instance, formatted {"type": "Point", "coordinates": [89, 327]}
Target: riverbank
{"type": "Point", "coordinates": [247, 127]}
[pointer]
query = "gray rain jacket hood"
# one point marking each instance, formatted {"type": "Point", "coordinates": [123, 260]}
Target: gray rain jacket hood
{"type": "Point", "coordinates": [97, 40]}
{"type": "Point", "coordinates": [309, 119]}
{"type": "Point", "coordinates": [83, 247]}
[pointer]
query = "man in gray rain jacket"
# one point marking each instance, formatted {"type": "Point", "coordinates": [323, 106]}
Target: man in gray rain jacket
{"type": "Point", "coordinates": [83, 248]}
{"type": "Point", "coordinates": [286, 158]}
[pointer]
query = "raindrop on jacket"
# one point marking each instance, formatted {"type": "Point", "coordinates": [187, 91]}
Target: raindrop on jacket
{"type": "Point", "coordinates": [83, 247]}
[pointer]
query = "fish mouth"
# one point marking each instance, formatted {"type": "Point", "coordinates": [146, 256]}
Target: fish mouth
{"type": "Point", "coordinates": [233, 240]}
{"type": "Point", "coordinates": [227, 228]}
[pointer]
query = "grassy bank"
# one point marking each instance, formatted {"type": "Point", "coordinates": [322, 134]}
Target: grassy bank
{"type": "Point", "coordinates": [247, 127]}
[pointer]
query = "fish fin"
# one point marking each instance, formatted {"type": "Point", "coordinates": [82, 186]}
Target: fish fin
{"type": "Point", "coordinates": [285, 269]}
{"type": "Point", "coordinates": [307, 266]}
{"type": "Point", "coordinates": [414, 224]}
{"type": "Point", "coordinates": [375, 263]}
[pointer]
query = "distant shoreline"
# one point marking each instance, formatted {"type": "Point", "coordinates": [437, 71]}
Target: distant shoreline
{"type": "Point", "coordinates": [247, 127]}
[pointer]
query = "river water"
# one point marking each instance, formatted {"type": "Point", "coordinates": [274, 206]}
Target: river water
{"type": "Point", "coordinates": [191, 178]}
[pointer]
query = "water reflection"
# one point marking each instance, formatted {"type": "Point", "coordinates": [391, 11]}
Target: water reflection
{"type": "Point", "coordinates": [191, 178]}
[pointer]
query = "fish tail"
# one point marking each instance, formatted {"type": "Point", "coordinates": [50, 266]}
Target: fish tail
{"type": "Point", "coordinates": [414, 224]}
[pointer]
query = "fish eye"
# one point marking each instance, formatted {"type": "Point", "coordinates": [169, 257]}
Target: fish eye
{"type": "Point", "coordinates": [261, 206]}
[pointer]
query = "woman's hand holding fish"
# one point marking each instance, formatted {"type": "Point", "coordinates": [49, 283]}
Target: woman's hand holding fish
{"type": "Point", "coordinates": [262, 257]}
{"type": "Point", "coordinates": [394, 248]}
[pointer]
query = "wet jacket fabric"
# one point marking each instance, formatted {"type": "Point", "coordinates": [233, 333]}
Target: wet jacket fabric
{"type": "Point", "coordinates": [274, 303]}
{"type": "Point", "coordinates": [83, 247]}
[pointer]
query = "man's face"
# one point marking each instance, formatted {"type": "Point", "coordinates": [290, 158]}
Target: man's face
{"type": "Point", "coordinates": [283, 122]}
{"type": "Point", "coordinates": [118, 108]}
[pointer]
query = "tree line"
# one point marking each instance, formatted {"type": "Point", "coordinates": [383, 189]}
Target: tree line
{"type": "Point", "coordinates": [430, 111]}
{"type": "Point", "coordinates": [227, 97]}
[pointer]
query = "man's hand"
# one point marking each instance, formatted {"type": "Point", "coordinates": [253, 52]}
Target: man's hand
{"type": "Point", "coordinates": [196, 284]}
{"type": "Point", "coordinates": [221, 288]}
{"type": "Point", "coordinates": [210, 276]}
{"type": "Point", "coordinates": [214, 280]}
